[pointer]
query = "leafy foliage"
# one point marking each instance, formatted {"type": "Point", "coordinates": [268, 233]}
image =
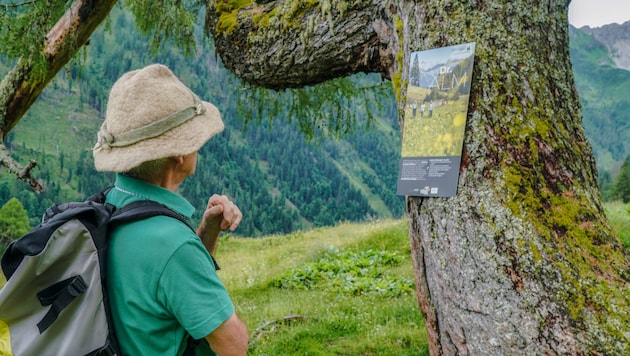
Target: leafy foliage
{"type": "Point", "coordinates": [167, 22]}
{"type": "Point", "coordinates": [622, 182]}
{"type": "Point", "coordinates": [333, 109]}
{"type": "Point", "coordinates": [356, 273]}
{"type": "Point", "coordinates": [25, 24]}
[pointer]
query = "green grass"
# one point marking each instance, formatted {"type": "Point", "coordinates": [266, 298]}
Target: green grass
{"type": "Point", "coordinates": [325, 319]}
{"type": "Point", "coordinates": [328, 318]}
{"type": "Point", "coordinates": [619, 217]}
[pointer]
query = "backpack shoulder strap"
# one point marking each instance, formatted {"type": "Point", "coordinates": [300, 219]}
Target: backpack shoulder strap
{"type": "Point", "coordinates": [99, 197]}
{"type": "Point", "coordinates": [143, 209]}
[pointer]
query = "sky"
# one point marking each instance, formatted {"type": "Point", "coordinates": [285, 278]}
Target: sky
{"type": "Point", "coordinates": [596, 13]}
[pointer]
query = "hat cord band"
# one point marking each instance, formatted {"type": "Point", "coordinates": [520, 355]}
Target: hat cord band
{"type": "Point", "coordinates": [106, 140]}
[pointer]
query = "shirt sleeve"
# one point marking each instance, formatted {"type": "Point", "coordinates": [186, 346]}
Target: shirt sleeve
{"type": "Point", "coordinates": [191, 290]}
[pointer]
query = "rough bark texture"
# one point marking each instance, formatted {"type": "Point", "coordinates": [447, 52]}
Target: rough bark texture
{"type": "Point", "coordinates": [522, 260]}
{"type": "Point", "coordinates": [303, 44]}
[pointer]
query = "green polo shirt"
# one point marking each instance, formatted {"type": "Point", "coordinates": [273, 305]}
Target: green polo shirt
{"type": "Point", "coordinates": [162, 281]}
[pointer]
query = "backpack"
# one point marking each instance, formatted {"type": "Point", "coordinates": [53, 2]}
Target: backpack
{"type": "Point", "coordinates": [55, 300]}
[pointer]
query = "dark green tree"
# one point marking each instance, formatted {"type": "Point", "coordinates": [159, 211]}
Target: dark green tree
{"type": "Point", "coordinates": [414, 71]}
{"type": "Point", "coordinates": [622, 182]}
{"type": "Point", "coordinates": [13, 222]}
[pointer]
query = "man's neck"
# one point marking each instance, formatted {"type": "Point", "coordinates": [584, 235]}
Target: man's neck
{"type": "Point", "coordinates": [169, 178]}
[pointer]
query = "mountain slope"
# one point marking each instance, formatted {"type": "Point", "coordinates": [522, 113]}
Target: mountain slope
{"type": "Point", "coordinates": [281, 180]}
{"type": "Point", "coordinates": [600, 60]}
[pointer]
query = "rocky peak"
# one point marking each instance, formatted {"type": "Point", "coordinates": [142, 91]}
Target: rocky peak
{"type": "Point", "coordinates": [616, 38]}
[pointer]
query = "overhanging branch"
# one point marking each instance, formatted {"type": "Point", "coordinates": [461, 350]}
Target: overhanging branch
{"type": "Point", "coordinates": [63, 41]}
{"type": "Point", "coordinates": [278, 45]}
{"type": "Point", "coordinates": [21, 87]}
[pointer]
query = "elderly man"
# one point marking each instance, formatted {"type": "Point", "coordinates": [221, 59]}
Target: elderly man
{"type": "Point", "coordinates": [163, 284]}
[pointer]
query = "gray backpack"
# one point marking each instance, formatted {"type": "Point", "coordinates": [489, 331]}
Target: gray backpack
{"type": "Point", "coordinates": [55, 301]}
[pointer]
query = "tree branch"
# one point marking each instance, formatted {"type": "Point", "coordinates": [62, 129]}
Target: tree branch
{"type": "Point", "coordinates": [277, 46]}
{"type": "Point", "coordinates": [21, 87]}
{"type": "Point", "coordinates": [23, 173]}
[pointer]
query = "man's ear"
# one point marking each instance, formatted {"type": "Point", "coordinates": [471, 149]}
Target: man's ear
{"type": "Point", "coordinates": [178, 160]}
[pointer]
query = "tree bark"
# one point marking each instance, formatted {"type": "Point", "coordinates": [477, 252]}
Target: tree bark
{"type": "Point", "coordinates": [522, 260]}
{"type": "Point", "coordinates": [321, 44]}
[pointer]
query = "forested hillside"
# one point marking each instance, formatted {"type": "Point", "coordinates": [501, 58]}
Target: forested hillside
{"type": "Point", "coordinates": [282, 179]}
{"type": "Point", "coordinates": [602, 79]}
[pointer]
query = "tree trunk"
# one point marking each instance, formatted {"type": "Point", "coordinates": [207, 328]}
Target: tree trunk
{"type": "Point", "coordinates": [522, 260]}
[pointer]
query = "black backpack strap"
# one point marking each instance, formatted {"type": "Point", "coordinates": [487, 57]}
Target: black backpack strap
{"type": "Point", "coordinates": [59, 296]}
{"type": "Point", "coordinates": [143, 209]}
{"type": "Point", "coordinates": [99, 197]}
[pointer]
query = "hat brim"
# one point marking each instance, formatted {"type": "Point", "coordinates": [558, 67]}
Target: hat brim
{"type": "Point", "coordinates": [182, 140]}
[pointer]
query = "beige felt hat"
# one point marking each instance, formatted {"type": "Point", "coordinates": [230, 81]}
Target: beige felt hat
{"type": "Point", "coordinates": [152, 115]}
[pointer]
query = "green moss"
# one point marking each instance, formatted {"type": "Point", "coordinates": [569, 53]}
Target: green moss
{"type": "Point", "coordinates": [397, 77]}
{"type": "Point", "coordinates": [288, 16]}
{"type": "Point", "coordinates": [587, 263]}
{"type": "Point", "coordinates": [227, 22]}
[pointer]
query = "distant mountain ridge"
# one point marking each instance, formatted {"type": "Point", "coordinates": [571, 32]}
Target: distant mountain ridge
{"type": "Point", "coordinates": [616, 38]}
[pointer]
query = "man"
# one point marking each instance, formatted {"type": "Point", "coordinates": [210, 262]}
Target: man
{"type": "Point", "coordinates": [162, 284]}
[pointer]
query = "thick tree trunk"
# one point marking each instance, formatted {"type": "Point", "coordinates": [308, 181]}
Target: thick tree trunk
{"type": "Point", "coordinates": [522, 260]}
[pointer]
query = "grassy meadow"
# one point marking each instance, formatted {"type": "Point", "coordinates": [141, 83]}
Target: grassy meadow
{"type": "Point", "coordinates": [344, 290]}
{"type": "Point", "coordinates": [442, 134]}
{"type": "Point", "coordinates": [619, 217]}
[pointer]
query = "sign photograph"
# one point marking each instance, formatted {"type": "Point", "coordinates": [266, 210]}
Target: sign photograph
{"type": "Point", "coordinates": [435, 120]}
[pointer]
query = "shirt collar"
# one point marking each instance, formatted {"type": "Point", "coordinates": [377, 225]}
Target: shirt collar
{"type": "Point", "coordinates": [128, 189]}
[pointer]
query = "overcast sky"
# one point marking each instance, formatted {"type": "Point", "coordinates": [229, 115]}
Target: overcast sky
{"type": "Point", "coordinates": [596, 13]}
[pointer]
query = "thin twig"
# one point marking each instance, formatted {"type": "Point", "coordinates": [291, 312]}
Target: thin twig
{"type": "Point", "coordinates": [22, 172]}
